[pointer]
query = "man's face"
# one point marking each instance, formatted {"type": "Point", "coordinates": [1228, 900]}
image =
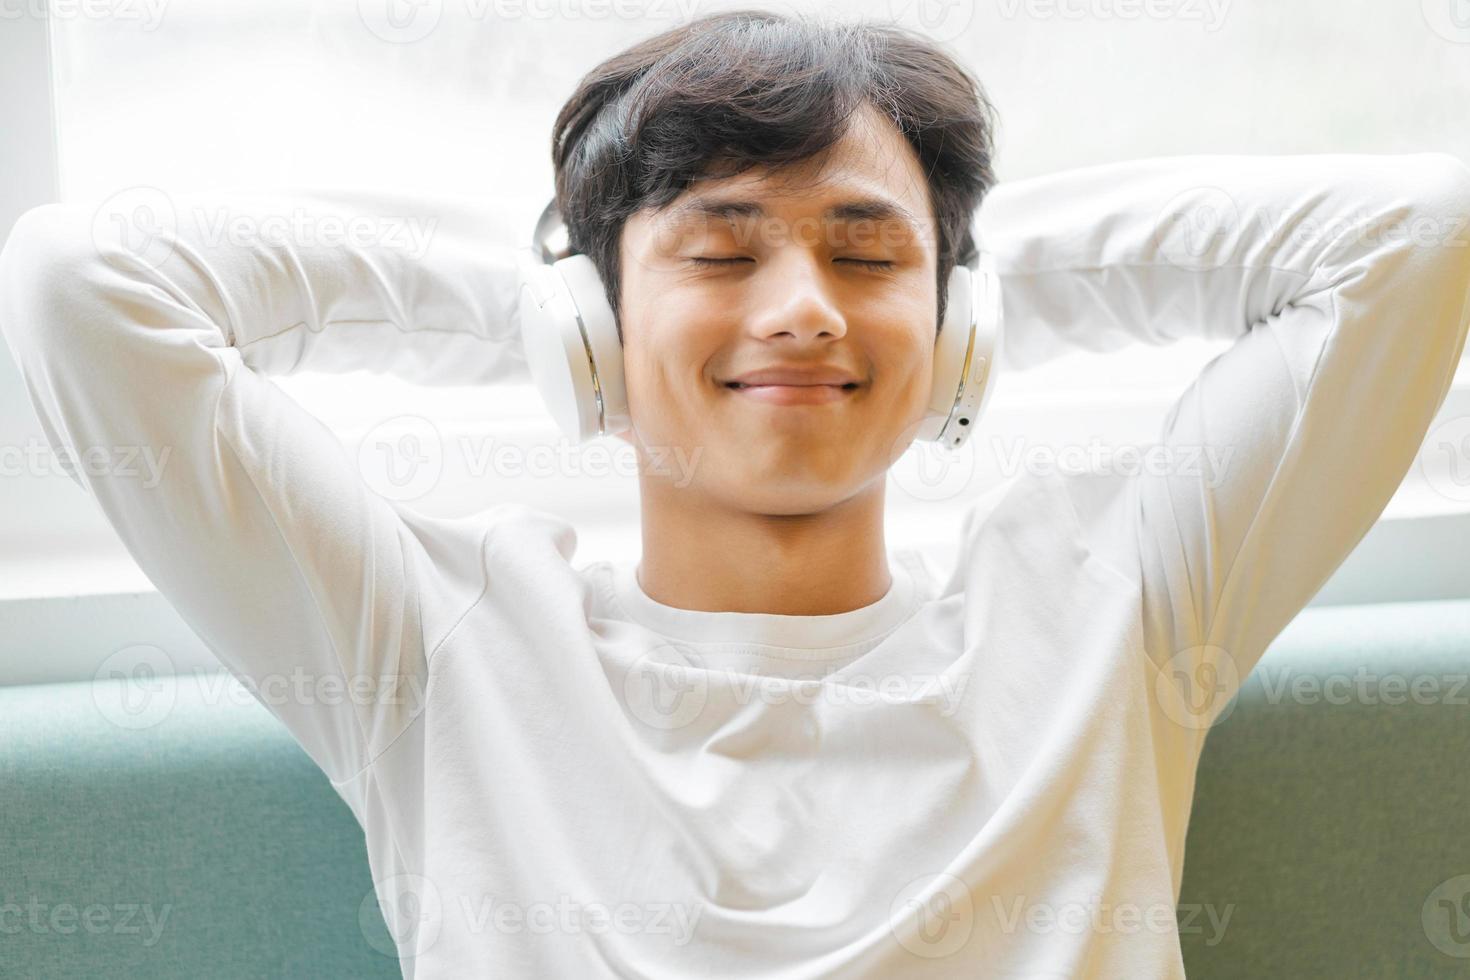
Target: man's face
{"type": "Point", "coordinates": [806, 284]}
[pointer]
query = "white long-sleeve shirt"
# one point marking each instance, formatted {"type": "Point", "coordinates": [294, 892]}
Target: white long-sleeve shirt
{"type": "Point", "coordinates": [986, 773]}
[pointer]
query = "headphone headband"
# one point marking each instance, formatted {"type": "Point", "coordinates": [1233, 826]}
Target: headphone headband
{"type": "Point", "coordinates": [550, 241]}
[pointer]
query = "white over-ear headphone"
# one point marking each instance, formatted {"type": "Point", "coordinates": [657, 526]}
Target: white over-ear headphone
{"type": "Point", "coordinates": [571, 342]}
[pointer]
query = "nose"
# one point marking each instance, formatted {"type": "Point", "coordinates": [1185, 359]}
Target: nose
{"type": "Point", "coordinates": [795, 300]}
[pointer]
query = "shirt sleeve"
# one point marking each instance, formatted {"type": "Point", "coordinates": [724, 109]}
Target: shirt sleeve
{"type": "Point", "coordinates": [1340, 281]}
{"type": "Point", "coordinates": [159, 336]}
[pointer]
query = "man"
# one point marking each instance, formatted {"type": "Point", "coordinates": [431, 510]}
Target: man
{"type": "Point", "coordinates": [770, 746]}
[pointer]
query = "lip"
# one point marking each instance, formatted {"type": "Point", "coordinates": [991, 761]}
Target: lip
{"type": "Point", "coordinates": [797, 374]}
{"type": "Point", "coordinates": [795, 394]}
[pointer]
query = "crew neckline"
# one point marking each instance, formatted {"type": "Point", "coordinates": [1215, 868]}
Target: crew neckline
{"type": "Point", "coordinates": [836, 631]}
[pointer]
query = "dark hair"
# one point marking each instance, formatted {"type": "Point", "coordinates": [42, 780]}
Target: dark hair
{"type": "Point", "coordinates": [730, 91]}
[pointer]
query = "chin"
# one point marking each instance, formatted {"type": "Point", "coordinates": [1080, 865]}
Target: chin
{"type": "Point", "coordinates": [784, 496]}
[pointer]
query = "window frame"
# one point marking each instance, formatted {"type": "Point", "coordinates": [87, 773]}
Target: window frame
{"type": "Point", "coordinates": [90, 600]}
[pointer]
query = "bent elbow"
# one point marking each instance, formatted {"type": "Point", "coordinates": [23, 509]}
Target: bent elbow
{"type": "Point", "coordinates": [46, 264]}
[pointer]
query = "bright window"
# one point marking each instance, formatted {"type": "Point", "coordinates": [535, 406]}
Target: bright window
{"type": "Point", "coordinates": [459, 96]}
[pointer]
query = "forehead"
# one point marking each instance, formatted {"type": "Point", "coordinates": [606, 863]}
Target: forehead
{"type": "Point", "coordinates": [871, 174]}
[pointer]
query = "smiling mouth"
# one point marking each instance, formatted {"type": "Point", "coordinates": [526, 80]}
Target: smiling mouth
{"type": "Point", "coordinates": [851, 385]}
{"type": "Point", "coordinates": [793, 394]}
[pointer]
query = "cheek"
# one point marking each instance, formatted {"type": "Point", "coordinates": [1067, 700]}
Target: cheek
{"type": "Point", "coordinates": [665, 373]}
{"type": "Point", "coordinates": [905, 365]}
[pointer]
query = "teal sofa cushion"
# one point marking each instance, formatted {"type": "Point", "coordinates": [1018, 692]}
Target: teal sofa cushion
{"type": "Point", "coordinates": [1332, 803]}
{"type": "Point", "coordinates": [190, 837]}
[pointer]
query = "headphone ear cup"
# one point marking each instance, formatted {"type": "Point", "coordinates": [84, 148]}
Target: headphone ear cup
{"type": "Point", "coordinates": [950, 348]}
{"type": "Point", "coordinates": [570, 340]}
{"type": "Point", "coordinates": [966, 353]}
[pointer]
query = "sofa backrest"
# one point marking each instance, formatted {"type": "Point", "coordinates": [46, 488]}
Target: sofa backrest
{"type": "Point", "coordinates": [186, 835]}
{"type": "Point", "coordinates": [181, 835]}
{"type": "Point", "coordinates": [1332, 803]}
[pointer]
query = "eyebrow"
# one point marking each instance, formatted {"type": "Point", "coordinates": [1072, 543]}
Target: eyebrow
{"type": "Point", "coordinates": [858, 209]}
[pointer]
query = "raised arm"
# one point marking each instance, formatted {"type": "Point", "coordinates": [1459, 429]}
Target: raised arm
{"type": "Point", "coordinates": [1341, 280]}
{"type": "Point", "coordinates": [159, 333]}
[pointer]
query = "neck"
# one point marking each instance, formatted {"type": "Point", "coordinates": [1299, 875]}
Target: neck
{"type": "Point", "coordinates": [700, 555]}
